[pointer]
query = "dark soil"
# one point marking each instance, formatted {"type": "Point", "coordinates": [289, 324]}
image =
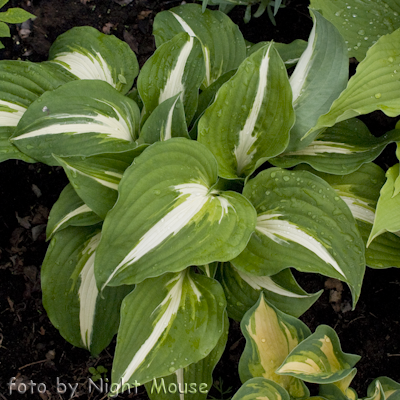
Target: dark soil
{"type": "Point", "coordinates": [31, 349]}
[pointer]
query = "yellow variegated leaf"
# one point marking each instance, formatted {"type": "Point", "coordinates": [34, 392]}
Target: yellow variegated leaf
{"type": "Point", "coordinates": [270, 336]}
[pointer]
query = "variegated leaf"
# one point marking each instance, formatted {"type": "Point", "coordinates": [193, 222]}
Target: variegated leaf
{"type": "Point", "coordinates": [90, 54]}
{"type": "Point", "coordinates": [242, 290]}
{"type": "Point", "coordinates": [290, 53]}
{"type": "Point", "coordinates": [96, 178]}
{"type": "Point", "coordinates": [167, 323]}
{"type": "Point", "coordinates": [192, 382]}
{"type": "Point", "coordinates": [221, 40]}
{"type": "Point", "coordinates": [374, 86]}
{"type": "Point", "coordinates": [319, 358]}
{"type": "Point", "coordinates": [21, 83]}
{"type": "Point", "coordinates": [318, 79]}
{"type": "Point", "coordinates": [331, 391]}
{"type": "Point", "coordinates": [270, 336]}
{"type": "Point", "coordinates": [251, 116]}
{"type": "Point", "coordinates": [375, 391]}
{"type": "Point", "coordinates": [388, 385]}
{"type": "Point", "coordinates": [165, 122]}
{"type": "Point", "coordinates": [360, 191]}
{"type": "Point", "coordinates": [80, 118]}
{"type": "Point", "coordinates": [176, 67]}
{"type": "Point", "coordinates": [261, 388]}
{"type": "Point", "coordinates": [302, 223]}
{"type": "Point", "coordinates": [69, 210]}
{"type": "Point", "coordinates": [362, 23]}
{"type": "Point", "coordinates": [70, 296]}
{"type": "Point", "coordinates": [339, 150]}
{"type": "Point", "coordinates": [167, 205]}
{"type": "Point", "coordinates": [386, 217]}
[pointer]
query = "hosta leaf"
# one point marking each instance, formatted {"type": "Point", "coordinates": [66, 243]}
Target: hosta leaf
{"type": "Point", "coordinates": [206, 98]}
{"type": "Point", "coordinates": [166, 207]}
{"type": "Point", "coordinates": [302, 223]}
{"type": "Point", "coordinates": [270, 336]}
{"type": "Point", "coordinates": [290, 53]}
{"type": "Point", "coordinates": [90, 54]}
{"type": "Point", "coordinates": [176, 67]}
{"type": "Point", "coordinates": [251, 116]}
{"type": "Point", "coordinates": [70, 296]}
{"type": "Point", "coordinates": [318, 79]}
{"type": "Point", "coordinates": [319, 358]}
{"type": "Point", "coordinates": [221, 40]}
{"type": "Point", "coordinates": [331, 391]}
{"type": "Point", "coordinates": [192, 382]}
{"type": "Point", "coordinates": [261, 388]}
{"type": "Point", "coordinates": [386, 217]}
{"type": "Point", "coordinates": [339, 150]}
{"type": "Point", "coordinates": [375, 85]}
{"type": "Point", "coordinates": [167, 323]}
{"type": "Point", "coordinates": [389, 386]}
{"type": "Point", "coordinates": [80, 118]}
{"type": "Point", "coordinates": [242, 290]}
{"type": "Point", "coordinates": [21, 83]}
{"type": "Point", "coordinates": [375, 391]}
{"type": "Point", "coordinates": [361, 23]}
{"type": "Point", "coordinates": [69, 210]}
{"type": "Point", "coordinates": [96, 178]}
{"type": "Point", "coordinates": [165, 122]}
{"type": "Point", "coordinates": [360, 191]}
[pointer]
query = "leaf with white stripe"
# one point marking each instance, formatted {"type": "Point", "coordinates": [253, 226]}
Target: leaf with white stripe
{"type": "Point", "coordinates": [289, 52]}
{"type": "Point", "coordinates": [270, 336]}
{"type": "Point", "coordinates": [166, 121]}
{"type": "Point", "coordinates": [167, 205]}
{"type": "Point", "coordinates": [167, 323]}
{"type": "Point", "coordinates": [374, 86]}
{"type": "Point", "coordinates": [21, 83]}
{"type": "Point", "coordinates": [90, 54]}
{"type": "Point", "coordinates": [387, 218]}
{"type": "Point", "coordinates": [319, 358]}
{"type": "Point", "coordinates": [70, 296]}
{"type": "Point", "coordinates": [222, 42]}
{"type": "Point", "coordinates": [192, 382]}
{"type": "Point", "coordinates": [360, 191]}
{"type": "Point", "coordinates": [251, 116]}
{"type": "Point", "coordinates": [320, 76]}
{"type": "Point", "coordinates": [339, 150]}
{"type": "Point", "coordinates": [96, 178]}
{"type": "Point", "coordinates": [69, 210]}
{"type": "Point", "coordinates": [261, 388]}
{"type": "Point", "coordinates": [80, 118]}
{"type": "Point", "coordinates": [176, 67]}
{"type": "Point", "coordinates": [242, 291]}
{"type": "Point", "coordinates": [302, 223]}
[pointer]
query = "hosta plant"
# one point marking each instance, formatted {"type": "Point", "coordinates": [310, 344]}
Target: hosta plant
{"type": "Point", "coordinates": [181, 208]}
